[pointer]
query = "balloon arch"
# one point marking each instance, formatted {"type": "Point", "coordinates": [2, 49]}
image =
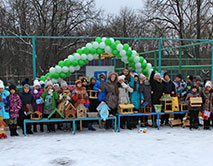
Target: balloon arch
{"type": "Point", "coordinates": [66, 67]}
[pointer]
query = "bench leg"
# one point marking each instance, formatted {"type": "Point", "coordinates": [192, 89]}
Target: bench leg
{"type": "Point", "coordinates": [158, 121]}
{"type": "Point", "coordinates": [100, 124]}
{"type": "Point", "coordinates": [81, 125]}
{"type": "Point", "coordinates": [115, 124]}
{"type": "Point", "coordinates": [73, 127]}
{"type": "Point", "coordinates": [119, 123]}
{"type": "Point", "coordinates": [24, 128]}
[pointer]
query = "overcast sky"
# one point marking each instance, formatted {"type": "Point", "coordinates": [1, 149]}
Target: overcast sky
{"type": "Point", "coordinates": [113, 6]}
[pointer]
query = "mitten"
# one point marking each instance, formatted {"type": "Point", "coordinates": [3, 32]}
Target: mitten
{"type": "Point", "coordinates": [68, 98]}
{"type": "Point", "coordinates": [60, 97]}
{"type": "Point", "coordinates": [35, 91]}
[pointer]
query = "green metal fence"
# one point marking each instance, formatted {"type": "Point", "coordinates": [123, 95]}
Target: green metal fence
{"type": "Point", "coordinates": [157, 54]}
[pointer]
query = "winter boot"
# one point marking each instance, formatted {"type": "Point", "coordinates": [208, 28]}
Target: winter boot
{"type": "Point", "coordinates": [35, 128]}
{"type": "Point", "coordinates": [15, 132]}
{"type": "Point", "coordinates": [41, 128]}
{"type": "Point", "coordinates": [90, 127]}
{"type": "Point", "coordinates": [12, 130]}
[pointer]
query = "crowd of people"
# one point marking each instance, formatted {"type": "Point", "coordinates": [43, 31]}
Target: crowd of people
{"type": "Point", "coordinates": [124, 88]}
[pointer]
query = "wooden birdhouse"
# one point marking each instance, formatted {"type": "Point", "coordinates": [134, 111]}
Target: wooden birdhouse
{"type": "Point", "coordinates": [103, 110]}
{"type": "Point", "coordinates": [70, 111]}
{"type": "Point", "coordinates": [146, 108]}
{"type": "Point", "coordinates": [126, 109]}
{"type": "Point", "coordinates": [81, 111]}
{"type": "Point", "coordinates": [166, 101]}
{"type": "Point", "coordinates": [56, 113]}
{"type": "Point", "coordinates": [183, 106]}
{"type": "Point", "coordinates": [3, 129]}
{"type": "Point", "coordinates": [175, 123]}
{"type": "Point", "coordinates": [92, 114]}
{"type": "Point", "coordinates": [36, 115]}
{"type": "Point", "coordinates": [92, 94]}
{"type": "Point", "coordinates": [195, 101]}
{"type": "Point", "coordinates": [175, 104]}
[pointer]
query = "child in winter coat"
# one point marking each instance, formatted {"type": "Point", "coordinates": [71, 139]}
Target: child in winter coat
{"type": "Point", "coordinates": [3, 101]}
{"type": "Point", "coordinates": [27, 107]}
{"type": "Point", "coordinates": [207, 106]}
{"type": "Point", "coordinates": [193, 110]}
{"type": "Point", "coordinates": [198, 84]}
{"type": "Point", "coordinates": [39, 106]}
{"type": "Point", "coordinates": [145, 88]}
{"type": "Point", "coordinates": [14, 105]}
{"type": "Point", "coordinates": [49, 97]}
{"type": "Point", "coordinates": [123, 95]}
{"type": "Point", "coordinates": [99, 86]}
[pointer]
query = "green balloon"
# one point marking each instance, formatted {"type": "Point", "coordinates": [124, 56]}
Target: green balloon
{"type": "Point", "coordinates": [74, 63]}
{"type": "Point", "coordinates": [86, 61]}
{"type": "Point", "coordinates": [145, 71]}
{"type": "Point", "coordinates": [141, 59]}
{"type": "Point", "coordinates": [117, 42]}
{"type": "Point", "coordinates": [119, 56]}
{"type": "Point", "coordinates": [81, 62]}
{"type": "Point", "coordinates": [43, 78]}
{"type": "Point", "coordinates": [93, 51]}
{"type": "Point", "coordinates": [115, 52]}
{"type": "Point", "coordinates": [61, 63]}
{"type": "Point", "coordinates": [144, 64]}
{"type": "Point", "coordinates": [86, 51]}
{"type": "Point", "coordinates": [80, 51]}
{"type": "Point", "coordinates": [98, 40]}
{"type": "Point", "coordinates": [68, 74]}
{"type": "Point", "coordinates": [129, 53]}
{"type": "Point", "coordinates": [99, 51]}
{"type": "Point", "coordinates": [126, 47]}
{"type": "Point", "coordinates": [62, 75]}
{"type": "Point", "coordinates": [56, 75]}
{"type": "Point", "coordinates": [67, 63]}
{"type": "Point", "coordinates": [113, 46]}
{"type": "Point", "coordinates": [132, 64]}
{"type": "Point", "coordinates": [131, 59]}
{"type": "Point", "coordinates": [108, 42]}
{"type": "Point", "coordinates": [48, 75]}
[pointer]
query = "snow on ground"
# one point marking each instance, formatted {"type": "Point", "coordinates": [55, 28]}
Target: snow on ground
{"type": "Point", "coordinates": [167, 146]}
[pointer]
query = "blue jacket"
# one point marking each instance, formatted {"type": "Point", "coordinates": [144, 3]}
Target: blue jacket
{"type": "Point", "coordinates": [3, 104]}
{"type": "Point", "coordinates": [135, 96]}
{"type": "Point", "coordinates": [101, 95]}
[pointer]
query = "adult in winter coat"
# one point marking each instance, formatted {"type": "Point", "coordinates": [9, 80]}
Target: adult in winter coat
{"type": "Point", "coordinates": [27, 107]}
{"type": "Point", "coordinates": [126, 73]}
{"type": "Point", "coordinates": [168, 88]}
{"type": "Point", "coordinates": [207, 106]}
{"type": "Point", "coordinates": [198, 84]}
{"type": "Point", "coordinates": [99, 86]}
{"type": "Point", "coordinates": [14, 105]}
{"type": "Point", "coordinates": [3, 96]}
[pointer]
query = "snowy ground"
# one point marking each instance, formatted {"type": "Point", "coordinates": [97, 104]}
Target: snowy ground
{"type": "Point", "coordinates": [167, 146]}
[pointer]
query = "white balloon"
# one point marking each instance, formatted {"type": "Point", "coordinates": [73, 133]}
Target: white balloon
{"type": "Point", "coordinates": [137, 59]}
{"type": "Point", "coordinates": [108, 50]}
{"type": "Point", "coordinates": [77, 56]}
{"type": "Point", "coordinates": [83, 48]}
{"type": "Point", "coordinates": [95, 56]}
{"type": "Point", "coordinates": [138, 66]}
{"type": "Point", "coordinates": [65, 69]}
{"type": "Point", "coordinates": [89, 45]}
{"type": "Point", "coordinates": [119, 47]}
{"type": "Point", "coordinates": [72, 69]}
{"type": "Point", "coordinates": [123, 53]}
{"type": "Point", "coordinates": [77, 68]}
{"type": "Point", "coordinates": [58, 69]}
{"type": "Point", "coordinates": [103, 39]}
{"type": "Point", "coordinates": [145, 61]}
{"type": "Point", "coordinates": [112, 40]}
{"type": "Point", "coordinates": [90, 57]}
{"type": "Point", "coordinates": [102, 45]}
{"type": "Point", "coordinates": [125, 61]}
{"type": "Point", "coordinates": [95, 45]}
{"type": "Point", "coordinates": [65, 59]}
{"type": "Point", "coordinates": [83, 56]}
{"type": "Point", "coordinates": [149, 66]}
{"type": "Point", "coordinates": [52, 70]}
{"type": "Point", "coordinates": [59, 79]}
{"type": "Point", "coordinates": [71, 58]}
{"type": "Point", "coordinates": [54, 81]}
{"type": "Point", "coordinates": [134, 53]}
{"type": "Point", "coordinates": [138, 70]}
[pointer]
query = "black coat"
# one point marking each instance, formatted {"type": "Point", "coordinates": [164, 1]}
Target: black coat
{"type": "Point", "coordinates": [146, 90]}
{"type": "Point", "coordinates": [168, 87]}
{"type": "Point", "coordinates": [157, 88]}
{"type": "Point", "coordinates": [27, 98]}
{"type": "Point", "coordinates": [93, 102]}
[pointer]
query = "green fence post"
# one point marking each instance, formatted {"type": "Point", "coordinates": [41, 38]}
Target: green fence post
{"type": "Point", "coordinates": [180, 60]}
{"type": "Point", "coordinates": [34, 58]}
{"type": "Point", "coordinates": [159, 56]}
{"type": "Point", "coordinates": [155, 59]}
{"type": "Point", "coordinates": [212, 61]}
{"type": "Point", "coordinates": [99, 60]}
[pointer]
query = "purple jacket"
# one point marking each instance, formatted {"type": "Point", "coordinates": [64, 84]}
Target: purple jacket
{"type": "Point", "coordinates": [38, 107]}
{"type": "Point", "coordinates": [14, 105]}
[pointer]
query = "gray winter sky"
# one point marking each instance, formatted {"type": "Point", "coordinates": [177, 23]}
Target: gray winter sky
{"type": "Point", "coordinates": [113, 6]}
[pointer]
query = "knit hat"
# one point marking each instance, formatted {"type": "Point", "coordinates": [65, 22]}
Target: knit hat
{"type": "Point", "coordinates": [12, 87]}
{"type": "Point", "coordinates": [83, 80]}
{"type": "Point", "coordinates": [122, 77]}
{"type": "Point", "coordinates": [179, 76]}
{"type": "Point", "coordinates": [1, 84]}
{"type": "Point", "coordinates": [49, 83]}
{"type": "Point", "coordinates": [208, 84]}
{"type": "Point", "coordinates": [157, 74]}
{"type": "Point", "coordinates": [92, 78]}
{"type": "Point", "coordinates": [55, 85]}
{"type": "Point", "coordinates": [42, 82]}
{"type": "Point", "coordinates": [190, 77]}
{"type": "Point", "coordinates": [193, 87]}
{"type": "Point", "coordinates": [165, 74]}
{"type": "Point", "coordinates": [36, 83]}
{"type": "Point", "coordinates": [26, 81]}
{"type": "Point", "coordinates": [102, 74]}
{"type": "Point", "coordinates": [142, 76]}
{"type": "Point", "coordinates": [26, 86]}
{"type": "Point", "coordinates": [63, 83]}
{"type": "Point", "coordinates": [78, 81]}
{"type": "Point", "coordinates": [136, 75]}
{"type": "Point", "coordinates": [198, 78]}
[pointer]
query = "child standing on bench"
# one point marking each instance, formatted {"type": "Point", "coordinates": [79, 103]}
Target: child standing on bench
{"type": "Point", "coordinates": [49, 97]}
